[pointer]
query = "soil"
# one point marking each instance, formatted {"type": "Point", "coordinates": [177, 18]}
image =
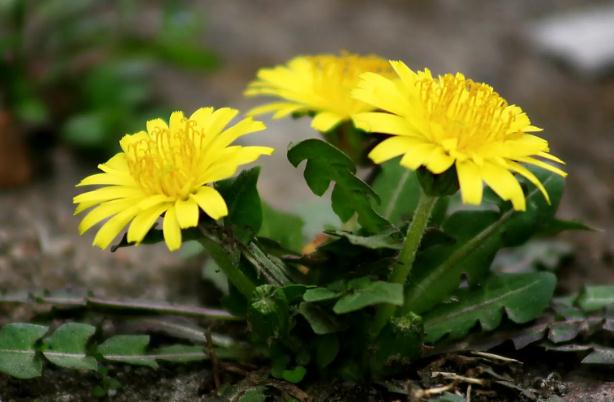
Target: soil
{"type": "Point", "coordinates": [41, 249]}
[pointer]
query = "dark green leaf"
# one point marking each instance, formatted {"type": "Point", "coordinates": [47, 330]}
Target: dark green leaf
{"type": "Point", "coordinates": [283, 227]}
{"type": "Point", "coordinates": [268, 315]}
{"type": "Point", "coordinates": [243, 201]}
{"type": "Point", "coordinates": [368, 294]}
{"type": "Point", "coordinates": [131, 349]}
{"type": "Point", "coordinates": [326, 163]}
{"type": "Point", "coordinates": [398, 189]}
{"type": "Point", "coordinates": [399, 343]}
{"type": "Point", "coordinates": [18, 357]}
{"type": "Point", "coordinates": [66, 347]}
{"type": "Point", "coordinates": [321, 321]}
{"type": "Point", "coordinates": [327, 348]}
{"type": "Point", "coordinates": [596, 297]}
{"type": "Point", "coordinates": [556, 226]}
{"type": "Point", "coordinates": [522, 296]}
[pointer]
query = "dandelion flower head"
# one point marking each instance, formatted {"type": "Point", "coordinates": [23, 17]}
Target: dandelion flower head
{"type": "Point", "coordinates": [451, 121]}
{"type": "Point", "coordinates": [167, 171]}
{"type": "Point", "coordinates": [319, 84]}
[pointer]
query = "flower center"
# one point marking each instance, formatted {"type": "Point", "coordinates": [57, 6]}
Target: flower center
{"type": "Point", "coordinates": [465, 115]}
{"type": "Point", "coordinates": [167, 161]}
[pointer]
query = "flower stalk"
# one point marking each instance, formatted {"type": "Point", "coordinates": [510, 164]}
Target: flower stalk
{"type": "Point", "coordinates": [402, 268]}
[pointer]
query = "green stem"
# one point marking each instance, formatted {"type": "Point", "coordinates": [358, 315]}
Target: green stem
{"type": "Point", "coordinates": [231, 268]}
{"type": "Point", "coordinates": [402, 268]}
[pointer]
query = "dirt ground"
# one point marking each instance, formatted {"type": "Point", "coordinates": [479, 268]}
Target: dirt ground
{"type": "Point", "coordinates": [487, 40]}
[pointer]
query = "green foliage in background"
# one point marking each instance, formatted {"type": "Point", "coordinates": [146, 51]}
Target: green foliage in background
{"type": "Point", "coordinates": [84, 70]}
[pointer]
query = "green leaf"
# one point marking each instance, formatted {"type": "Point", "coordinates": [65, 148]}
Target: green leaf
{"type": "Point", "coordinates": [557, 226]}
{"type": "Point", "coordinates": [398, 189]}
{"type": "Point", "coordinates": [368, 294]}
{"type": "Point", "coordinates": [131, 349]}
{"type": "Point", "coordinates": [179, 353]}
{"type": "Point", "coordinates": [66, 347]}
{"type": "Point", "coordinates": [294, 375]}
{"type": "Point", "coordinates": [600, 355]}
{"type": "Point", "coordinates": [256, 394]}
{"type": "Point", "coordinates": [326, 163]}
{"type": "Point", "coordinates": [596, 297]}
{"type": "Point", "coordinates": [522, 296]}
{"type": "Point", "coordinates": [479, 234]}
{"type": "Point", "coordinates": [320, 294]}
{"type": "Point", "coordinates": [268, 314]}
{"type": "Point", "coordinates": [18, 357]}
{"type": "Point", "coordinates": [321, 321]}
{"type": "Point", "coordinates": [243, 201]}
{"type": "Point", "coordinates": [327, 348]}
{"type": "Point", "coordinates": [283, 227]}
{"type": "Point", "coordinates": [399, 343]}
{"type": "Point", "coordinates": [436, 275]}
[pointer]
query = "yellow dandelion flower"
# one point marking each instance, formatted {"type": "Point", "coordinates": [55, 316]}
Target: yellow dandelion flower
{"type": "Point", "coordinates": [167, 170]}
{"type": "Point", "coordinates": [451, 120]}
{"type": "Point", "coordinates": [319, 84]}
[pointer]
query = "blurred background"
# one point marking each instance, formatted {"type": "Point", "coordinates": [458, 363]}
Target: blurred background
{"type": "Point", "coordinates": [76, 75]}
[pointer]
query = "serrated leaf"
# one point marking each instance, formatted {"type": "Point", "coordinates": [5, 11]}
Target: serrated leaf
{"type": "Point", "coordinates": [480, 235]}
{"type": "Point", "coordinates": [596, 297]}
{"type": "Point", "coordinates": [179, 353]}
{"type": "Point", "coordinates": [368, 294]}
{"type": "Point", "coordinates": [18, 357]}
{"type": "Point", "coordinates": [321, 321]}
{"type": "Point", "coordinates": [131, 349]}
{"type": "Point", "coordinates": [522, 296]}
{"type": "Point", "coordinates": [283, 227]}
{"type": "Point", "coordinates": [243, 201]}
{"type": "Point", "coordinates": [325, 163]}
{"type": "Point", "coordinates": [66, 347]}
{"type": "Point", "coordinates": [398, 189]}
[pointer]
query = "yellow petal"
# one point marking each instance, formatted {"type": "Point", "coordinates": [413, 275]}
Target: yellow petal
{"type": "Point", "coordinates": [108, 179]}
{"type": "Point", "coordinates": [187, 213]}
{"type": "Point", "coordinates": [542, 165]}
{"type": "Point", "coordinates": [102, 212]}
{"type": "Point", "coordinates": [108, 193]}
{"type": "Point", "coordinates": [381, 93]}
{"type": "Point", "coordinates": [176, 120]}
{"type": "Point", "coordinates": [470, 182]}
{"type": "Point", "coordinates": [219, 119]}
{"type": "Point", "coordinates": [281, 109]}
{"type": "Point", "coordinates": [143, 221]}
{"type": "Point", "coordinates": [201, 115]}
{"type": "Point", "coordinates": [385, 123]}
{"type": "Point", "coordinates": [504, 184]}
{"type": "Point", "coordinates": [518, 168]}
{"type": "Point", "coordinates": [417, 155]}
{"type": "Point", "coordinates": [391, 148]}
{"type": "Point", "coordinates": [171, 230]}
{"type": "Point", "coordinates": [211, 202]}
{"type": "Point", "coordinates": [113, 226]}
{"type": "Point", "coordinates": [326, 121]}
{"type": "Point", "coordinates": [439, 161]}
{"type": "Point", "coordinates": [156, 126]}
